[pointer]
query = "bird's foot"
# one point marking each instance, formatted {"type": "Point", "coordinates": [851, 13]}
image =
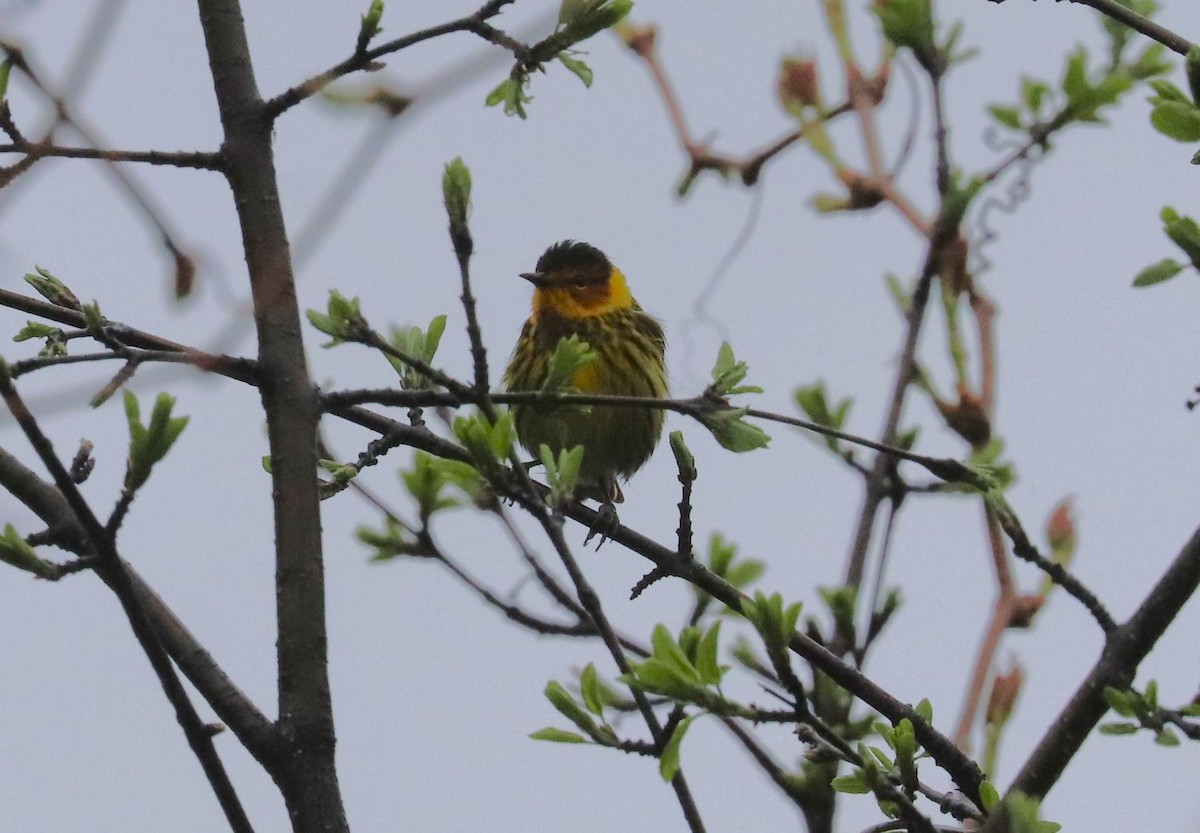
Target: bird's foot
{"type": "Point", "coordinates": [605, 523]}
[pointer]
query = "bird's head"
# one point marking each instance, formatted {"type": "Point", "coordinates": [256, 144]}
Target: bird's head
{"type": "Point", "coordinates": [574, 280]}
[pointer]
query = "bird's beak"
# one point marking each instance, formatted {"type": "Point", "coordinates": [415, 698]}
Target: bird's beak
{"type": "Point", "coordinates": [538, 279]}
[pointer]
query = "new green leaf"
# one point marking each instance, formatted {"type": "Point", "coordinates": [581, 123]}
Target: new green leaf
{"type": "Point", "coordinates": [668, 764]}
{"type": "Point", "coordinates": [1010, 117]}
{"type": "Point", "coordinates": [581, 70]}
{"type": "Point", "coordinates": [14, 550]}
{"type": "Point", "coordinates": [570, 354]}
{"type": "Point", "coordinates": [342, 319]}
{"type": "Point", "coordinates": [727, 375]}
{"type": "Point", "coordinates": [733, 432]}
{"type": "Point", "coordinates": [148, 444]}
{"type": "Point", "coordinates": [1164, 270]}
{"type": "Point", "coordinates": [558, 735]}
{"type": "Point", "coordinates": [52, 289]}
{"type": "Point", "coordinates": [370, 27]}
{"type": "Point", "coordinates": [1177, 119]}
{"type": "Point", "coordinates": [418, 344]}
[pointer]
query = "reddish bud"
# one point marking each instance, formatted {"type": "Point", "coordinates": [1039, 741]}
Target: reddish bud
{"type": "Point", "coordinates": [1024, 609]}
{"type": "Point", "coordinates": [864, 192]}
{"type": "Point", "coordinates": [968, 418]}
{"type": "Point", "coordinates": [798, 86]}
{"type": "Point", "coordinates": [638, 38]}
{"type": "Point", "coordinates": [952, 265]}
{"type": "Point", "coordinates": [1060, 528]}
{"type": "Point", "coordinates": [1005, 688]}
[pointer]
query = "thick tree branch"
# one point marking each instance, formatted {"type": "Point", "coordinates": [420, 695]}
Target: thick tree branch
{"type": "Point", "coordinates": [964, 771]}
{"type": "Point", "coordinates": [305, 771]}
{"type": "Point", "coordinates": [1124, 650]}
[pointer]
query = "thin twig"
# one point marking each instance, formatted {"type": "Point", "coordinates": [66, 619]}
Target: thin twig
{"type": "Point", "coordinates": [202, 160]}
{"type": "Point", "coordinates": [198, 736]}
{"type": "Point", "coordinates": [642, 42]}
{"type": "Point", "coordinates": [515, 613]}
{"type": "Point", "coordinates": [684, 531]}
{"type": "Point", "coordinates": [940, 133]}
{"type": "Point", "coordinates": [964, 772]}
{"type": "Point", "coordinates": [204, 361]}
{"type": "Point", "coordinates": [697, 407]}
{"type": "Point", "coordinates": [862, 100]}
{"type": "Point", "coordinates": [1024, 549]}
{"type": "Point", "coordinates": [1001, 619]}
{"type": "Point", "coordinates": [750, 168]}
{"type": "Point", "coordinates": [184, 266]}
{"type": "Point", "coordinates": [985, 313]}
{"type": "Point", "coordinates": [901, 826]}
{"type": "Point", "coordinates": [1189, 727]}
{"type": "Point", "coordinates": [1124, 14]}
{"type": "Point", "coordinates": [548, 582]}
{"type": "Point", "coordinates": [367, 59]}
{"type": "Point", "coordinates": [876, 487]}
{"type": "Point", "coordinates": [590, 601]}
{"type": "Point", "coordinates": [946, 468]}
{"type": "Point", "coordinates": [786, 782]}
{"type": "Point", "coordinates": [460, 237]}
{"type": "Point", "coordinates": [877, 619]}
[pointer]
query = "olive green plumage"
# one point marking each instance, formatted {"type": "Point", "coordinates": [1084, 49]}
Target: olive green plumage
{"type": "Point", "coordinates": [579, 293]}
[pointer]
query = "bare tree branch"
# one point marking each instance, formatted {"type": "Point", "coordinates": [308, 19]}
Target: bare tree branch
{"type": "Point", "coordinates": [367, 58]}
{"type": "Point", "coordinates": [177, 159]}
{"type": "Point", "coordinates": [1123, 652]}
{"type": "Point", "coordinates": [305, 769]}
{"type": "Point", "coordinates": [109, 565]}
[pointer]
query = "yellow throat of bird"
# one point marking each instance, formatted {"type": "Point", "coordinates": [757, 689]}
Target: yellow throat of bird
{"type": "Point", "coordinates": [581, 300]}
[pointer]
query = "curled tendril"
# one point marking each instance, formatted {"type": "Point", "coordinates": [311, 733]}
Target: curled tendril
{"type": "Point", "coordinates": [702, 317]}
{"type": "Point", "coordinates": [1015, 192]}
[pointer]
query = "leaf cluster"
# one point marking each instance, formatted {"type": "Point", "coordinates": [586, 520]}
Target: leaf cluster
{"type": "Point", "coordinates": [1079, 97]}
{"type": "Point", "coordinates": [1184, 232]}
{"type": "Point", "coordinates": [727, 424]}
{"type": "Point", "coordinates": [342, 320]}
{"type": "Point", "coordinates": [419, 344]}
{"type": "Point", "coordinates": [148, 444]}
{"type": "Point", "coordinates": [1143, 712]}
{"type": "Point", "coordinates": [814, 402]}
{"type": "Point", "coordinates": [578, 20]}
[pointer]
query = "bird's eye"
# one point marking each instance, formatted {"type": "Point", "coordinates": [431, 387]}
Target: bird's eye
{"type": "Point", "coordinates": [580, 284]}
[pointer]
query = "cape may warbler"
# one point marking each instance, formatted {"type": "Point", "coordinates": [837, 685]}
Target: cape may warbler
{"type": "Point", "coordinates": [577, 291]}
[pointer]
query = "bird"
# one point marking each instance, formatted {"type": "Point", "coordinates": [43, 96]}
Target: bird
{"type": "Point", "coordinates": [577, 291]}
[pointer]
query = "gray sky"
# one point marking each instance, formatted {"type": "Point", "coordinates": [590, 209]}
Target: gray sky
{"type": "Point", "coordinates": [434, 693]}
